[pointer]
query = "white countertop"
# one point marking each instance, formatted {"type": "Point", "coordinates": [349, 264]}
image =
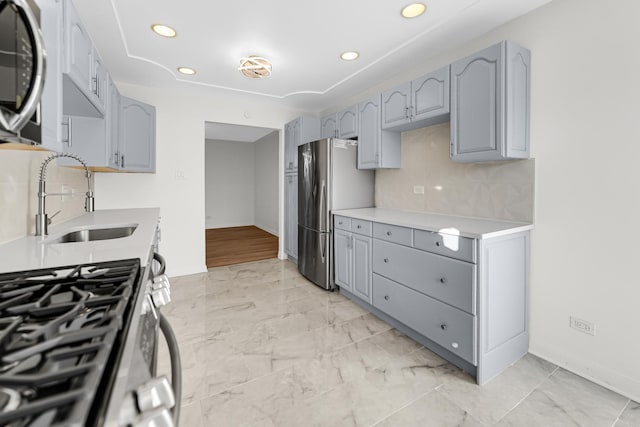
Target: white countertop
{"type": "Point", "coordinates": [31, 252]}
{"type": "Point", "coordinates": [476, 228]}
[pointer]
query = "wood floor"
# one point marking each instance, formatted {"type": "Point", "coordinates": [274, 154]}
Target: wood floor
{"type": "Point", "coordinates": [235, 245]}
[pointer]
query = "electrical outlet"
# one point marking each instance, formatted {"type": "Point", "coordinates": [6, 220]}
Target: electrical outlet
{"type": "Point", "coordinates": [582, 325]}
{"type": "Point", "coordinates": [418, 189]}
{"type": "Point", "coordinates": [180, 175]}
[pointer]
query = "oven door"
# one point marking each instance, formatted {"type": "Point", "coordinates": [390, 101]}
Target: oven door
{"type": "Point", "coordinates": [22, 67]}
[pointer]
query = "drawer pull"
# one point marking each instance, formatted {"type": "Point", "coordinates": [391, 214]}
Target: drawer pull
{"type": "Point", "coordinates": [437, 243]}
{"type": "Point", "coordinates": [443, 280]}
{"type": "Point", "coordinates": [443, 326]}
{"type": "Point", "coordinates": [339, 222]}
{"type": "Point", "coordinates": [386, 260]}
{"type": "Point", "coordinates": [359, 227]}
{"type": "Point", "coordinates": [386, 297]}
{"type": "Point", "coordinates": [454, 344]}
{"type": "Point", "coordinates": [388, 233]}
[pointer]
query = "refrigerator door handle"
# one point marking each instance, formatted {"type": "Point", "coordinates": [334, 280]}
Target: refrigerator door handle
{"type": "Point", "coordinates": [323, 205]}
{"type": "Point", "coordinates": [323, 249]}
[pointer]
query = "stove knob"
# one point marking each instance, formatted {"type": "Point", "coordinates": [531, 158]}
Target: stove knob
{"type": "Point", "coordinates": [160, 297]}
{"type": "Point", "coordinates": [160, 417]}
{"type": "Point", "coordinates": [155, 393]}
{"type": "Point", "coordinates": [161, 281]}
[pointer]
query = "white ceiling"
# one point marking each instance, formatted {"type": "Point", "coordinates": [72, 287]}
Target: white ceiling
{"type": "Point", "coordinates": [303, 39]}
{"type": "Point", "coordinates": [228, 132]}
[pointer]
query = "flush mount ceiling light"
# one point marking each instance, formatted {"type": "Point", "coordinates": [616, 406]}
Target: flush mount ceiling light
{"type": "Point", "coordinates": [186, 70]}
{"type": "Point", "coordinates": [255, 67]}
{"type": "Point", "coordinates": [413, 10]}
{"type": "Point", "coordinates": [163, 30]}
{"type": "Point", "coordinates": [349, 56]}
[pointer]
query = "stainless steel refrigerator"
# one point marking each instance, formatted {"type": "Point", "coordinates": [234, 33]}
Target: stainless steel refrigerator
{"type": "Point", "coordinates": [328, 180]}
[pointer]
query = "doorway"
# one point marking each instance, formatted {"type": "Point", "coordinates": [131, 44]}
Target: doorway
{"type": "Point", "coordinates": [241, 193]}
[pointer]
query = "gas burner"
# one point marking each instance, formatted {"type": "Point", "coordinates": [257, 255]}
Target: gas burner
{"type": "Point", "coordinates": [60, 340]}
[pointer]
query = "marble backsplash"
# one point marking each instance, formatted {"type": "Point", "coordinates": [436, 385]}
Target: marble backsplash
{"type": "Point", "coordinates": [19, 172]}
{"type": "Point", "coordinates": [499, 190]}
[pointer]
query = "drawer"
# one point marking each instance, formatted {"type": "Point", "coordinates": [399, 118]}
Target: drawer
{"type": "Point", "coordinates": [342, 223]}
{"type": "Point", "coordinates": [450, 245]}
{"type": "Point", "coordinates": [361, 226]}
{"type": "Point", "coordinates": [451, 328]}
{"type": "Point", "coordinates": [393, 233]}
{"type": "Point", "coordinates": [448, 280]}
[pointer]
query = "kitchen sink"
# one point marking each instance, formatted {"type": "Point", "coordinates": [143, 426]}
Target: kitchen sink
{"type": "Point", "coordinates": [92, 234]}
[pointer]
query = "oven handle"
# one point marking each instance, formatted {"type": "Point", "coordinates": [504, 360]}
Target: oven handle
{"type": "Point", "coordinates": [163, 263]}
{"type": "Point", "coordinates": [176, 365]}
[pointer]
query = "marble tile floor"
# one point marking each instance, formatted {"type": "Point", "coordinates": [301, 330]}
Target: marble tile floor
{"type": "Point", "coordinates": [263, 347]}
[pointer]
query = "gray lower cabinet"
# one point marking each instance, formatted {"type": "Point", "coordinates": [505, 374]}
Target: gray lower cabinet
{"type": "Point", "coordinates": [465, 299]}
{"type": "Point", "coordinates": [490, 93]}
{"type": "Point", "coordinates": [291, 216]}
{"type": "Point", "coordinates": [377, 148]}
{"type": "Point", "coordinates": [418, 103]}
{"type": "Point", "coordinates": [352, 257]}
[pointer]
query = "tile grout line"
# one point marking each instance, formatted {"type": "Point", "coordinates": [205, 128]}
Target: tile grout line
{"type": "Point", "coordinates": [405, 406]}
{"type": "Point", "coordinates": [443, 395]}
{"type": "Point", "coordinates": [529, 394]}
{"type": "Point", "coordinates": [621, 412]}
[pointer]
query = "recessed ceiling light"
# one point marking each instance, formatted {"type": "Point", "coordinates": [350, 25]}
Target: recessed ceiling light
{"type": "Point", "coordinates": [255, 67]}
{"type": "Point", "coordinates": [349, 56]}
{"type": "Point", "coordinates": [413, 10]}
{"type": "Point", "coordinates": [163, 30]}
{"type": "Point", "coordinates": [186, 70]}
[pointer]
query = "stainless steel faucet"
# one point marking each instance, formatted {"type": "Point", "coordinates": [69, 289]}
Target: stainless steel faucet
{"type": "Point", "coordinates": [42, 221]}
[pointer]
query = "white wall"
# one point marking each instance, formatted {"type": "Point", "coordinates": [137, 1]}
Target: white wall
{"type": "Point", "coordinates": [230, 183]}
{"type": "Point", "coordinates": [180, 117]}
{"type": "Point", "coordinates": [266, 183]}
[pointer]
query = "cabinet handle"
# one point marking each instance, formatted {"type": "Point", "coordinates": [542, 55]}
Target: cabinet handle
{"type": "Point", "coordinates": [437, 243]}
{"type": "Point", "coordinates": [359, 227]}
{"type": "Point", "coordinates": [122, 162]}
{"type": "Point", "coordinates": [454, 344]}
{"type": "Point", "coordinates": [339, 222]}
{"type": "Point", "coordinates": [443, 326]}
{"type": "Point", "coordinates": [443, 280]}
{"type": "Point", "coordinates": [386, 260]}
{"type": "Point", "coordinates": [388, 233]}
{"type": "Point", "coordinates": [116, 155]}
{"type": "Point", "coordinates": [69, 132]}
{"type": "Point", "coordinates": [406, 112]}
{"type": "Point", "coordinates": [411, 114]}
{"type": "Point", "coordinates": [386, 297]}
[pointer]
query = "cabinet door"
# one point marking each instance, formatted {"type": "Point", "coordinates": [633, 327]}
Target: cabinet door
{"type": "Point", "coordinates": [430, 95]}
{"type": "Point", "coordinates": [99, 83]}
{"type": "Point", "coordinates": [329, 126]}
{"type": "Point", "coordinates": [291, 215]}
{"type": "Point", "coordinates": [290, 149]}
{"type": "Point", "coordinates": [78, 49]}
{"type": "Point", "coordinates": [113, 127]}
{"type": "Point", "coordinates": [369, 133]}
{"type": "Point", "coordinates": [342, 259]}
{"type": "Point", "coordinates": [476, 101]}
{"type": "Point", "coordinates": [396, 106]}
{"type": "Point", "coordinates": [362, 267]}
{"type": "Point", "coordinates": [348, 122]}
{"type": "Point", "coordinates": [138, 137]}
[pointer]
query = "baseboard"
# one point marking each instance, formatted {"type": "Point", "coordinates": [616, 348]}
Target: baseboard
{"type": "Point", "coordinates": [618, 383]}
{"type": "Point", "coordinates": [267, 229]}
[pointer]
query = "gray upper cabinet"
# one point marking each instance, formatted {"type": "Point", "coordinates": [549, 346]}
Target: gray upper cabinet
{"type": "Point", "coordinates": [490, 92]}
{"type": "Point", "coordinates": [343, 124]}
{"type": "Point", "coordinates": [377, 148]}
{"type": "Point", "coordinates": [296, 132]}
{"type": "Point", "coordinates": [138, 136]}
{"type": "Point", "coordinates": [113, 126]}
{"type": "Point", "coordinates": [419, 103]}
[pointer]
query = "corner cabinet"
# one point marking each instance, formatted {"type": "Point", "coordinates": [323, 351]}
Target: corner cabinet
{"type": "Point", "coordinates": [377, 148]}
{"type": "Point", "coordinates": [465, 299]}
{"type": "Point", "coordinates": [419, 103]}
{"type": "Point", "coordinates": [297, 132]}
{"type": "Point", "coordinates": [291, 216]}
{"type": "Point", "coordinates": [343, 124]}
{"type": "Point", "coordinates": [490, 97]}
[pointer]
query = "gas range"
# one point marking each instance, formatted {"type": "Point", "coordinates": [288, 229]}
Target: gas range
{"type": "Point", "coordinates": [63, 333]}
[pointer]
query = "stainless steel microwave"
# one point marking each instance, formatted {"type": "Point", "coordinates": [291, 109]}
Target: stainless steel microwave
{"type": "Point", "coordinates": [22, 67]}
